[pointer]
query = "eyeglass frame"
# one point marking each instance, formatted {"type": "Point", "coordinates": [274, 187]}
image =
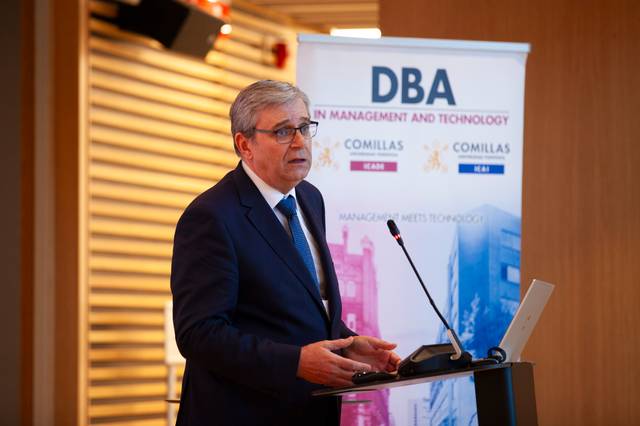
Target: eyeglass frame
{"type": "Point", "coordinates": [293, 134]}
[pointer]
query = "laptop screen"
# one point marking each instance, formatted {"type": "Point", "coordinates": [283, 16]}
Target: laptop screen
{"type": "Point", "coordinates": [525, 319]}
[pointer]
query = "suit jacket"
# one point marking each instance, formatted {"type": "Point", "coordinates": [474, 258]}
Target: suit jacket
{"type": "Point", "coordinates": [244, 304]}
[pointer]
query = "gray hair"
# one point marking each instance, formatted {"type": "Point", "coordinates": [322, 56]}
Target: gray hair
{"type": "Point", "coordinates": [256, 97]}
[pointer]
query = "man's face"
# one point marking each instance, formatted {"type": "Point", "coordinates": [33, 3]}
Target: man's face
{"type": "Point", "coordinates": [282, 166]}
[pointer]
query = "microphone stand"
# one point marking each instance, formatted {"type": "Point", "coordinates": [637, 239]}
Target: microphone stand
{"type": "Point", "coordinates": [431, 357]}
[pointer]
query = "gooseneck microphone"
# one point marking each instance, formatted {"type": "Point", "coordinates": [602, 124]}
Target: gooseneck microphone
{"type": "Point", "coordinates": [395, 232]}
{"type": "Point", "coordinates": [430, 357]}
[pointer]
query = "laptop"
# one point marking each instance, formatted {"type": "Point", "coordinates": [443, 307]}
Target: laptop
{"type": "Point", "coordinates": [525, 319]}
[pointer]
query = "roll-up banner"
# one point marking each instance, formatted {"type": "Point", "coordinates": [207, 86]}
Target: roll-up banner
{"type": "Point", "coordinates": [428, 133]}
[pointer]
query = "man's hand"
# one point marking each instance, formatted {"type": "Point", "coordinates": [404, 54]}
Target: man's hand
{"type": "Point", "coordinates": [373, 351]}
{"type": "Point", "coordinates": [319, 365]}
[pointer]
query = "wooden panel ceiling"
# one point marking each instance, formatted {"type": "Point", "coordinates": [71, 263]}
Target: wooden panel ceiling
{"type": "Point", "coordinates": [322, 15]}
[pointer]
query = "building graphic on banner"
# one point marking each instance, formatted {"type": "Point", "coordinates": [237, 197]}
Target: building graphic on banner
{"type": "Point", "coordinates": [359, 291]}
{"type": "Point", "coordinates": [418, 412]}
{"type": "Point", "coordinates": [483, 295]}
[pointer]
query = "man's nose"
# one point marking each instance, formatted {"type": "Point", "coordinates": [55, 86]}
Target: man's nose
{"type": "Point", "coordinates": [298, 140]}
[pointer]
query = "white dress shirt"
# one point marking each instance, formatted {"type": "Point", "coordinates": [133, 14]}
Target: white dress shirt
{"type": "Point", "coordinates": [272, 196]}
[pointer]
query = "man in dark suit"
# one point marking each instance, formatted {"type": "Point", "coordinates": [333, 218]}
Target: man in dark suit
{"type": "Point", "coordinates": [255, 294]}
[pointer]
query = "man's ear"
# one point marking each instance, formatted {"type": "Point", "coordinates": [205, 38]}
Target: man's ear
{"type": "Point", "coordinates": [243, 144]}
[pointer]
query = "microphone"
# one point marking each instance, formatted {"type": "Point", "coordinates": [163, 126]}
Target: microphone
{"type": "Point", "coordinates": [395, 232]}
{"type": "Point", "coordinates": [431, 357]}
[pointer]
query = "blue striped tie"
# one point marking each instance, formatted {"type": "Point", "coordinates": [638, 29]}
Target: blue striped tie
{"type": "Point", "coordinates": [288, 207]}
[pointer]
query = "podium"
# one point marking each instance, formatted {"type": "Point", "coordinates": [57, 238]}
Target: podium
{"type": "Point", "coordinates": [505, 393]}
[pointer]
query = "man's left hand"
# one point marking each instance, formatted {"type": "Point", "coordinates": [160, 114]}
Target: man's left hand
{"type": "Point", "coordinates": [373, 351]}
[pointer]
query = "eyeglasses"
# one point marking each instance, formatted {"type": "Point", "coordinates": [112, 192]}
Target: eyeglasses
{"type": "Point", "coordinates": [285, 135]}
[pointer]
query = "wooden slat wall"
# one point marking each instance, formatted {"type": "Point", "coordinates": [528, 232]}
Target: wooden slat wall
{"type": "Point", "coordinates": [158, 136]}
{"type": "Point", "coordinates": [326, 14]}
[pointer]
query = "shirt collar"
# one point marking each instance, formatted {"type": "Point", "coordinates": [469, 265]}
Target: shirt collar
{"type": "Point", "coordinates": [271, 195]}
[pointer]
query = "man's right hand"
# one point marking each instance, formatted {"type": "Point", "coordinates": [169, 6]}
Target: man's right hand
{"type": "Point", "coordinates": [319, 365]}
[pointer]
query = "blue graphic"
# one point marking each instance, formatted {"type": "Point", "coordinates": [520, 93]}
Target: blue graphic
{"type": "Point", "coordinates": [482, 169]}
{"type": "Point", "coordinates": [484, 293]}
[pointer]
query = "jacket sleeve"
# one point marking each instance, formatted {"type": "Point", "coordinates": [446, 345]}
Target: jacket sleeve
{"type": "Point", "coordinates": [205, 284]}
{"type": "Point", "coordinates": [346, 331]}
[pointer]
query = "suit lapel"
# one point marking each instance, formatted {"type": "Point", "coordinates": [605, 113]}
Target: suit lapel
{"type": "Point", "coordinates": [314, 221]}
{"type": "Point", "coordinates": [266, 223]}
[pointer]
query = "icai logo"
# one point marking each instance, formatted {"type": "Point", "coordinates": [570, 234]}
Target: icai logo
{"type": "Point", "coordinates": [435, 157]}
{"type": "Point", "coordinates": [324, 155]}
